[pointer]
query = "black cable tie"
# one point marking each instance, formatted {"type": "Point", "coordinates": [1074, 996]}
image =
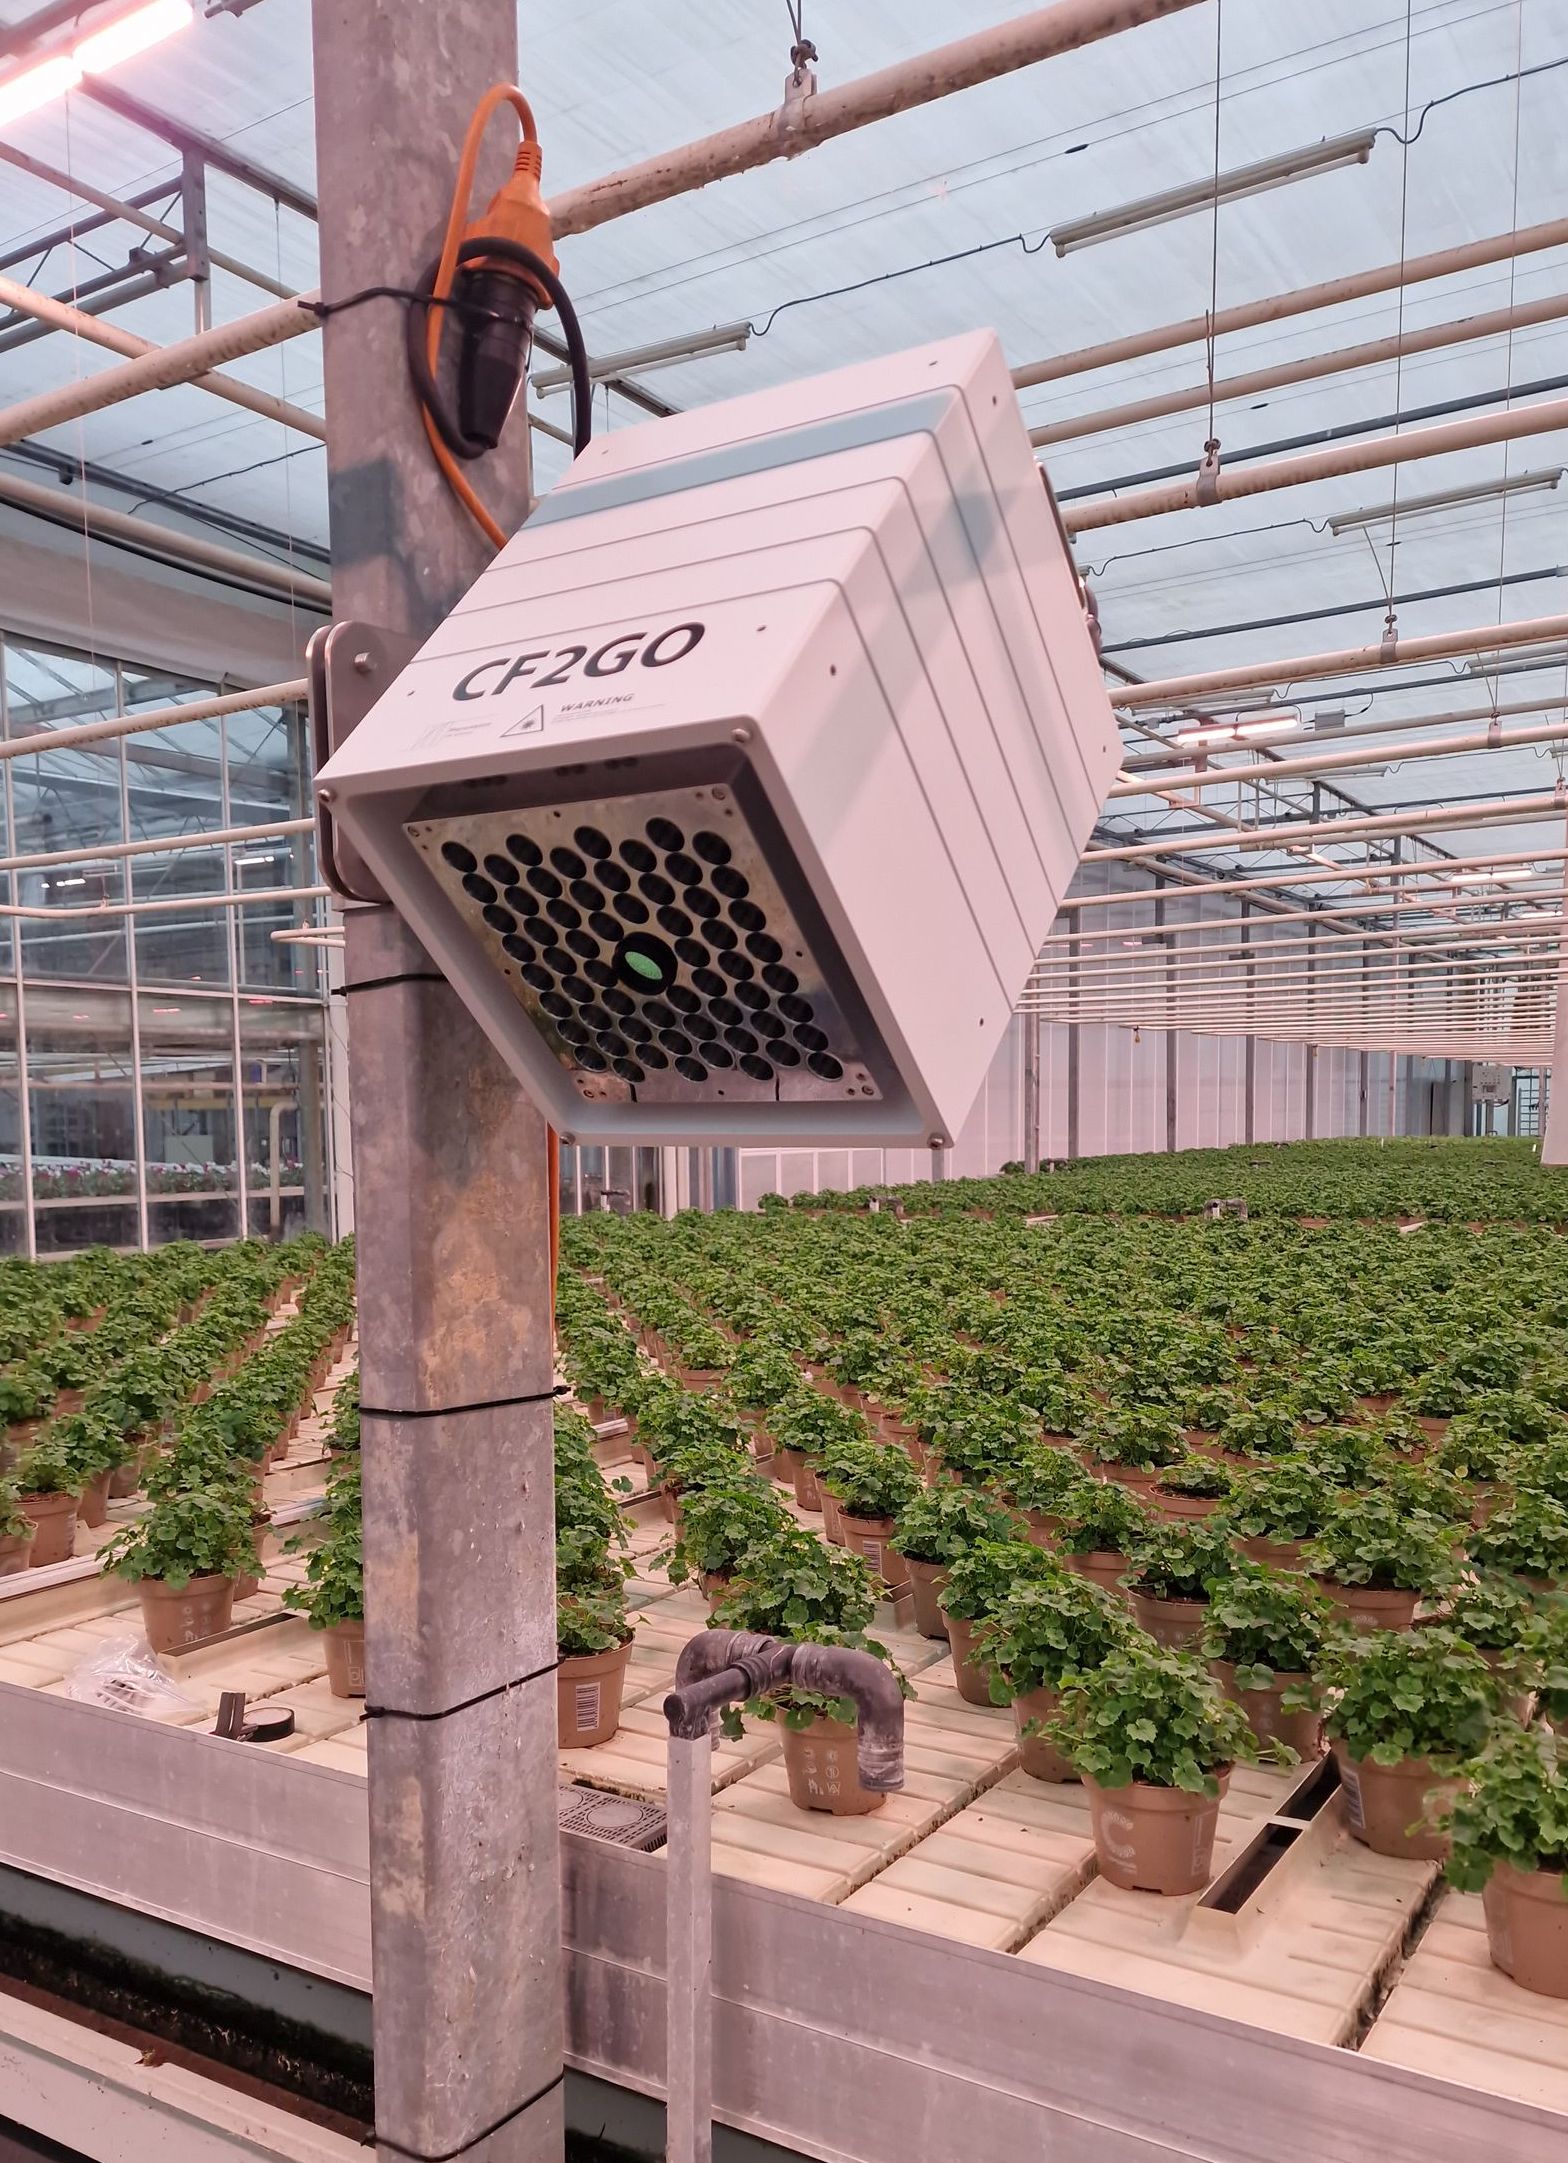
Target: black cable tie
{"type": "Point", "coordinates": [450, 1411]}
{"type": "Point", "coordinates": [395, 1712]}
{"type": "Point", "coordinates": [407, 976]}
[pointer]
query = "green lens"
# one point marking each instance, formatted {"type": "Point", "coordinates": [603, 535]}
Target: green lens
{"type": "Point", "coordinates": [644, 965]}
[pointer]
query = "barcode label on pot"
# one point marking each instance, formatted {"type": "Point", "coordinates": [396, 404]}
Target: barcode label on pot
{"type": "Point", "coordinates": [1352, 1787]}
{"type": "Point", "coordinates": [872, 1550]}
{"type": "Point", "coordinates": [587, 1702]}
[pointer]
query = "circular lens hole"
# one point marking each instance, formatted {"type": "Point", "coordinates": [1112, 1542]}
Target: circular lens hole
{"type": "Point", "coordinates": [499, 919]}
{"type": "Point", "coordinates": [612, 878]}
{"type": "Point", "coordinates": [568, 863]}
{"type": "Point", "coordinates": [700, 901]}
{"type": "Point", "coordinates": [665, 834]}
{"type": "Point", "coordinates": [767, 1025]}
{"type": "Point", "coordinates": [600, 973]}
{"type": "Point", "coordinates": [683, 1000]}
{"type": "Point", "coordinates": [779, 978]}
{"type": "Point", "coordinates": [543, 882]}
{"type": "Point", "coordinates": [711, 986]}
{"type": "Point", "coordinates": [651, 1056]}
{"type": "Point", "coordinates": [591, 841]}
{"type": "Point", "coordinates": [596, 1018]}
{"type": "Point", "coordinates": [526, 851]}
{"type": "Point", "coordinates": [639, 856]}
{"type": "Point", "coordinates": [751, 995]}
{"type": "Point", "coordinates": [740, 1040]}
{"type": "Point", "coordinates": [606, 926]}
{"type": "Point", "coordinates": [719, 934]}
{"type": "Point", "coordinates": [684, 870]}
{"type": "Point", "coordinates": [811, 1039]}
{"type": "Point", "coordinates": [731, 883]}
{"type": "Point", "coordinates": [635, 1030]}
{"type": "Point", "coordinates": [540, 978]}
{"type": "Point", "coordinates": [644, 964]}
{"type": "Point", "coordinates": [676, 922]}
{"type": "Point", "coordinates": [712, 848]}
{"type": "Point", "coordinates": [750, 918]}
{"type": "Point", "coordinates": [618, 1002]}
{"type": "Point", "coordinates": [737, 966]}
{"type": "Point", "coordinates": [758, 1069]}
{"type": "Point", "coordinates": [675, 1040]}
{"type": "Point", "coordinates": [824, 1063]}
{"type": "Point", "coordinates": [662, 1016]}
{"type": "Point", "coordinates": [519, 949]}
{"type": "Point", "coordinates": [630, 909]}
{"type": "Point", "coordinates": [518, 898]}
{"type": "Point", "coordinates": [586, 948]}
{"type": "Point", "coordinates": [557, 960]}
{"type": "Point", "coordinates": [562, 913]}
{"type": "Point", "coordinates": [726, 1010]}
{"type": "Point", "coordinates": [477, 888]}
{"type": "Point", "coordinates": [693, 1069]}
{"type": "Point", "coordinates": [693, 953]}
{"type": "Point", "coordinates": [716, 1054]}
{"type": "Point", "coordinates": [458, 857]}
{"type": "Point", "coordinates": [577, 989]}
{"type": "Point", "coordinates": [556, 1004]}
{"type": "Point", "coordinates": [612, 1041]}
{"type": "Point", "coordinates": [784, 1054]}
{"type": "Point", "coordinates": [657, 889]}
{"type": "Point", "coordinates": [594, 1061]}
{"type": "Point", "coordinates": [794, 1009]}
{"type": "Point", "coordinates": [629, 1070]}
{"type": "Point", "coordinates": [572, 1032]}
{"type": "Point", "coordinates": [759, 945]}
{"type": "Point", "coordinates": [586, 894]}
{"type": "Point", "coordinates": [501, 869]}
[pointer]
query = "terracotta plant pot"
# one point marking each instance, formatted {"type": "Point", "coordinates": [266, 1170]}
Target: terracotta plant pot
{"type": "Point", "coordinates": [869, 1536]}
{"type": "Point", "coordinates": [345, 1650]}
{"type": "Point", "coordinates": [972, 1676]}
{"type": "Point", "coordinates": [93, 1507]}
{"type": "Point", "coordinates": [16, 1552]}
{"type": "Point", "coordinates": [714, 1585]}
{"type": "Point", "coordinates": [1038, 1756]}
{"type": "Point", "coordinates": [926, 1581]}
{"type": "Point", "coordinates": [55, 1519]}
{"type": "Point", "coordinates": [588, 1690]}
{"type": "Point", "coordinates": [1154, 1839]}
{"type": "Point", "coordinates": [1133, 1476]}
{"type": "Point", "coordinates": [1103, 1566]}
{"type": "Point", "coordinates": [1368, 1608]}
{"type": "Point", "coordinates": [1175, 1623]}
{"type": "Point", "coordinates": [1041, 1528]}
{"type": "Point", "coordinates": [125, 1479]}
{"type": "Point", "coordinates": [832, 1517]}
{"type": "Point", "coordinates": [1266, 1716]}
{"type": "Point", "coordinates": [1202, 1441]}
{"type": "Point", "coordinates": [1432, 1427]}
{"type": "Point", "coordinates": [1383, 1802]}
{"type": "Point", "coordinates": [1274, 1554]}
{"type": "Point", "coordinates": [1527, 1928]}
{"type": "Point", "coordinates": [172, 1620]}
{"type": "Point", "coordinates": [798, 1471]}
{"type": "Point", "coordinates": [1170, 1505]}
{"type": "Point", "coordinates": [763, 1447]}
{"type": "Point", "coordinates": [819, 1763]}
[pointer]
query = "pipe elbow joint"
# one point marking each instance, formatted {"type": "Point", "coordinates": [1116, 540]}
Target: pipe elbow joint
{"type": "Point", "coordinates": [838, 1671]}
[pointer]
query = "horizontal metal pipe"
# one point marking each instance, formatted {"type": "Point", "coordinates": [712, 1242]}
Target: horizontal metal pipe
{"type": "Point", "coordinates": [823, 114]}
{"type": "Point", "coordinates": [1505, 1044]}
{"type": "Point", "coordinates": [1289, 831]}
{"type": "Point", "coordinates": [1327, 919]}
{"type": "Point", "coordinates": [167, 845]}
{"type": "Point", "coordinates": [156, 368]}
{"type": "Point", "coordinates": [1181, 691]}
{"type": "Point", "coordinates": [1177, 761]}
{"type": "Point", "coordinates": [1058, 969]}
{"type": "Point", "coordinates": [1176, 786]}
{"type": "Point", "coordinates": [1461, 330]}
{"type": "Point", "coordinates": [166, 905]}
{"type": "Point", "coordinates": [76, 511]}
{"type": "Point", "coordinates": [1277, 979]}
{"type": "Point", "coordinates": [1376, 451]}
{"type": "Point", "coordinates": [1304, 300]}
{"type": "Point", "coordinates": [155, 718]}
{"type": "Point", "coordinates": [1313, 875]}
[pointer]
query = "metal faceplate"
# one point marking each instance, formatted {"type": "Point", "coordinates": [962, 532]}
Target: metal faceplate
{"type": "Point", "coordinates": [652, 945]}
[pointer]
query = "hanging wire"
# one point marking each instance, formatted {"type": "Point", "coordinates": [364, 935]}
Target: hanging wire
{"type": "Point", "coordinates": [1214, 230]}
{"type": "Point", "coordinates": [1390, 621]}
{"type": "Point", "coordinates": [1508, 362]}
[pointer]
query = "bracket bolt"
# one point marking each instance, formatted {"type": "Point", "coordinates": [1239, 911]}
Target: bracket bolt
{"type": "Point", "coordinates": [324, 796]}
{"type": "Point", "coordinates": [741, 736]}
{"type": "Point", "coordinates": [363, 664]}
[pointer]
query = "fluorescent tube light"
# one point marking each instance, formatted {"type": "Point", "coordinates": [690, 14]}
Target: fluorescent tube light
{"type": "Point", "coordinates": [35, 86]}
{"type": "Point", "coordinates": [639, 360]}
{"type": "Point", "coordinates": [1277, 725]}
{"type": "Point", "coordinates": [57, 884]}
{"type": "Point", "coordinates": [1450, 498]}
{"type": "Point", "coordinates": [1486, 878]}
{"type": "Point", "coordinates": [131, 34]}
{"type": "Point", "coordinates": [1149, 210]}
{"type": "Point", "coordinates": [1204, 739]}
{"type": "Point", "coordinates": [268, 858]}
{"type": "Point", "coordinates": [1518, 660]}
{"type": "Point", "coordinates": [1239, 731]}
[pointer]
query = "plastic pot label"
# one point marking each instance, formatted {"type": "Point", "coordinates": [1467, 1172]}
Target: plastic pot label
{"type": "Point", "coordinates": [1350, 1781]}
{"type": "Point", "coordinates": [585, 1702]}
{"type": "Point", "coordinates": [872, 1550]}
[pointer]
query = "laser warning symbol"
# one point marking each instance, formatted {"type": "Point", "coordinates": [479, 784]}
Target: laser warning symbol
{"type": "Point", "coordinates": [531, 724]}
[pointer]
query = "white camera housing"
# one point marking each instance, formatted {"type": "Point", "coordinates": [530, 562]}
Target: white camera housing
{"type": "Point", "coordinates": [737, 794]}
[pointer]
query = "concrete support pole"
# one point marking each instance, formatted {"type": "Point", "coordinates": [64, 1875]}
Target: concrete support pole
{"type": "Point", "coordinates": [1030, 1149]}
{"type": "Point", "coordinates": [452, 1218]}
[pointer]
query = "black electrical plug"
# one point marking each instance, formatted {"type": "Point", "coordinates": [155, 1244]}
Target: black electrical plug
{"type": "Point", "coordinates": [498, 336]}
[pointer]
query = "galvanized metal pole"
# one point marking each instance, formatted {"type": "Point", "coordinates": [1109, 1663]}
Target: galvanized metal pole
{"type": "Point", "coordinates": [689, 1953]}
{"type": "Point", "coordinates": [452, 1219]}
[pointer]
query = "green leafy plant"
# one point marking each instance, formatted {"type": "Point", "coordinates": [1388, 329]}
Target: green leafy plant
{"type": "Point", "coordinates": [1154, 1717]}
{"type": "Point", "coordinates": [590, 1619]}
{"type": "Point", "coordinates": [1389, 1695]}
{"type": "Point", "coordinates": [1099, 1517]}
{"type": "Point", "coordinates": [1142, 1438]}
{"type": "Point", "coordinates": [1039, 1478]}
{"type": "Point", "coordinates": [875, 1480]}
{"type": "Point", "coordinates": [1491, 1611]}
{"type": "Point", "coordinates": [1512, 1808]}
{"type": "Point", "coordinates": [202, 1532]}
{"type": "Point", "coordinates": [940, 1523]}
{"type": "Point", "coordinates": [1197, 1477]}
{"type": "Point", "coordinates": [1180, 1562]}
{"type": "Point", "coordinates": [1370, 1540]}
{"type": "Point", "coordinates": [796, 1587]}
{"type": "Point", "coordinates": [980, 1579]}
{"type": "Point", "coordinates": [46, 1469]}
{"type": "Point", "coordinates": [1283, 1502]}
{"type": "Point", "coordinates": [721, 1525]}
{"type": "Point", "coordinates": [1528, 1537]}
{"type": "Point", "coordinates": [1048, 1629]}
{"type": "Point", "coordinates": [1266, 1624]}
{"type": "Point", "coordinates": [15, 1524]}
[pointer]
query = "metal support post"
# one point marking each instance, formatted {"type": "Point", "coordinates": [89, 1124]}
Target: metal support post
{"type": "Point", "coordinates": [193, 217]}
{"type": "Point", "coordinates": [452, 1218]}
{"type": "Point", "coordinates": [1250, 1080]}
{"type": "Point", "coordinates": [1167, 943]}
{"type": "Point", "coordinates": [689, 1950]}
{"type": "Point", "coordinates": [1031, 1116]}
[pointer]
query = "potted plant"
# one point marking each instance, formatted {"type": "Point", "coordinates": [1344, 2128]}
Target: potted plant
{"type": "Point", "coordinates": [47, 1487]}
{"type": "Point", "coordinates": [1036, 1483]}
{"type": "Point", "coordinates": [183, 1557]}
{"type": "Point", "coordinates": [1099, 1526]}
{"type": "Point", "coordinates": [1274, 1510]}
{"type": "Point", "coordinates": [936, 1526]}
{"type": "Point", "coordinates": [1172, 1575]}
{"type": "Point", "coordinates": [871, 1484]}
{"type": "Point", "coordinates": [977, 1582]}
{"type": "Point", "coordinates": [797, 1588]}
{"type": "Point", "coordinates": [1133, 1445]}
{"type": "Point", "coordinates": [1402, 1710]}
{"type": "Point", "coordinates": [333, 1595]}
{"type": "Point", "coordinates": [804, 1429]}
{"type": "Point", "coordinates": [1262, 1637]}
{"type": "Point", "coordinates": [1261, 1430]}
{"type": "Point", "coordinates": [1508, 1840]}
{"type": "Point", "coordinates": [1153, 1740]}
{"type": "Point", "coordinates": [593, 1640]}
{"type": "Point", "coordinates": [95, 1449]}
{"type": "Point", "coordinates": [17, 1530]}
{"type": "Point", "coordinates": [1378, 1561]}
{"type": "Point", "coordinates": [1195, 1486]}
{"type": "Point", "coordinates": [1528, 1537]}
{"type": "Point", "coordinates": [720, 1525]}
{"type": "Point", "coordinates": [1034, 1641]}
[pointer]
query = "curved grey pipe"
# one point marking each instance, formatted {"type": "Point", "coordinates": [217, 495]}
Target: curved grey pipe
{"type": "Point", "coordinates": [724, 1667]}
